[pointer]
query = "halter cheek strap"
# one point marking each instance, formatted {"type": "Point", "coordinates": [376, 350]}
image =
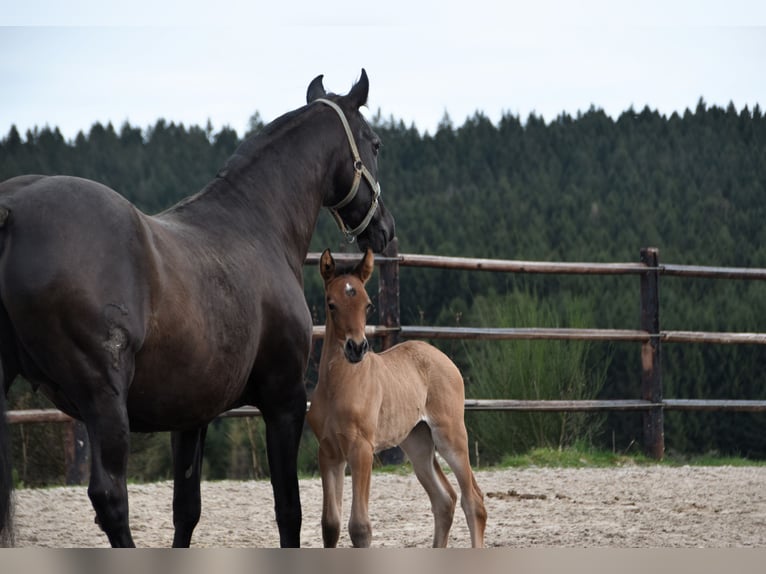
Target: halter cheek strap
{"type": "Point", "coordinates": [360, 171]}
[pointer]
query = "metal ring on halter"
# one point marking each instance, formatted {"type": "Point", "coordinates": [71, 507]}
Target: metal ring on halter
{"type": "Point", "coordinates": [360, 170]}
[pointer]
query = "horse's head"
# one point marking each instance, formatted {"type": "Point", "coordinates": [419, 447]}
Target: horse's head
{"type": "Point", "coordinates": [347, 303]}
{"type": "Point", "coordinates": [355, 199]}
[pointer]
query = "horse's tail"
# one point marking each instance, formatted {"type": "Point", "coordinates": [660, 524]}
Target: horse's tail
{"type": "Point", "coordinates": [6, 477]}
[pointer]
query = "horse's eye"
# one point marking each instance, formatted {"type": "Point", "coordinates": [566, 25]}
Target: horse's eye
{"type": "Point", "coordinates": [370, 308]}
{"type": "Point", "coordinates": [376, 146]}
{"type": "Point", "coordinates": [331, 306]}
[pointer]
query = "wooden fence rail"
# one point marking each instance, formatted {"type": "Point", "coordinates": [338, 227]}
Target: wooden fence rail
{"type": "Point", "coordinates": [651, 403]}
{"type": "Point", "coordinates": [650, 336]}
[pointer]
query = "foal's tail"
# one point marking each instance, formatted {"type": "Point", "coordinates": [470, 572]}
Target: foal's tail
{"type": "Point", "coordinates": [6, 478]}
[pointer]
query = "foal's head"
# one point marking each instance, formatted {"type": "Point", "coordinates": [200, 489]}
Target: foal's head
{"type": "Point", "coordinates": [347, 303]}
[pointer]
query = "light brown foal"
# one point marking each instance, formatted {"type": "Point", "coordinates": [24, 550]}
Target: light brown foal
{"type": "Point", "coordinates": [411, 395]}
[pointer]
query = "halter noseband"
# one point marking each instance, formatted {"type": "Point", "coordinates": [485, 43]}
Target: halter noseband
{"type": "Point", "coordinates": [360, 170]}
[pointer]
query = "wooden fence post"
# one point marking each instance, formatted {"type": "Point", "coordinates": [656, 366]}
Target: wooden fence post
{"type": "Point", "coordinates": [388, 316]}
{"type": "Point", "coordinates": [76, 453]}
{"type": "Point", "coordinates": [388, 295]}
{"type": "Point", "coordinates": [651, 368]}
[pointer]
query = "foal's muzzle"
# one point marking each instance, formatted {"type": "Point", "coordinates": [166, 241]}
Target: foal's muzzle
{"type": "Point", "coordinates": [354, 351]}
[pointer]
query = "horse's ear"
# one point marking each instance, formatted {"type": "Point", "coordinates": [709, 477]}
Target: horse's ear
{"type": "Point", "coordinates": [315, 89]}
{"type": "Point", "coordinates": [357, 97]}
{"type": "Point", "coordinates": [327, 265]}
{"type": "Point", "coordinates": [366, 266]}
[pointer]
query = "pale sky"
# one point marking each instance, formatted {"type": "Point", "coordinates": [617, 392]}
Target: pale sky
{"type": "Point", "coordinates": [71, 64]}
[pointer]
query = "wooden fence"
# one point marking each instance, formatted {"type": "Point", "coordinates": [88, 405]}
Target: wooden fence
{"type": "Point", "coordinates": [651, 403]}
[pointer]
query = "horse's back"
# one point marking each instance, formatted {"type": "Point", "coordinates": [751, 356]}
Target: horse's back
{"type": "Point", "coordinates": [18, 182]}
{"type": "Point", "coordinates": [57, 190]}
{"type": "Point", "coordinates": [58, 229]}
{"type": "Point", "coordinates": [62, 213]}
{"type": "Point", "coordinates": [430, 362]}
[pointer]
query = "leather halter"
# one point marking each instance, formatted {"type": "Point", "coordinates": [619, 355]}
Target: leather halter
{"type": "Point", "coordinates": [360, 170]}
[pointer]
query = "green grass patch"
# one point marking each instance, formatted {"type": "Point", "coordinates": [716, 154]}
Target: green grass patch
{"type": "Point", "coordinates": [571, 457]}
{"type": "Point", "coordinates": [586, 457]}
{"type": "Point", "coordinates": [711, 459]}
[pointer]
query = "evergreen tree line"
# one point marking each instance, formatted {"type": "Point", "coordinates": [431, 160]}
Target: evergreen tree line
{"type": "Point", "coordinates": [579, 188]}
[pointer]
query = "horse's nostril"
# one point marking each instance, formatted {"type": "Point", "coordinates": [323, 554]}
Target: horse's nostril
{"type": "Point", "coordinates": [355, 351]}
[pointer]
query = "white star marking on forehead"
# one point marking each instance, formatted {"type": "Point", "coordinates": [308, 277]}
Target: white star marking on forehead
{"type": "Point", "coordinates": [349, 290]}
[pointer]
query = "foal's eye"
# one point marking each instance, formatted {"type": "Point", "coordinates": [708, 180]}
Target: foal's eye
{"type": "Point", "coordinates": [331, 306]}
{"type": "Point", "coordinates": [370, 308]}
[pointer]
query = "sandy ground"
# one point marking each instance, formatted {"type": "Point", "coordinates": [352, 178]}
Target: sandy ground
{"type": "Point", "coordinates": [628, 507]}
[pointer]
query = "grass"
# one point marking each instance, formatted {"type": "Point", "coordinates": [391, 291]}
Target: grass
{"type": "Point", "coordinates": [587, 457]}
{"type": "Point", "coordinates": [573, 457]}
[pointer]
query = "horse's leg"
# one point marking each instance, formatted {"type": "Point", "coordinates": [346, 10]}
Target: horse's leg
{"type": "Point", "coordinates": [419, 448]}
{"type": "Point", "coordinates": [188, 447]}
{"type": "Point", "coordinates": [6, 477]}
{"type": "Point", "coordinates": [284, 426]}
{"type": "Point", "coordinates": [360, 455]}
{"type": "Point", "coordinates": [97, 382]}
{"type": "Point", "coordinates": [109, 435]}
{"type": "Point", "coordinates": [451, 440]}
{"type": "Point", "coordinates": [331, 467]}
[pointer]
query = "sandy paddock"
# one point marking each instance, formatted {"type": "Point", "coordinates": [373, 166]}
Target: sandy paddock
{"type": "Point", "coordinates": [627, 507]}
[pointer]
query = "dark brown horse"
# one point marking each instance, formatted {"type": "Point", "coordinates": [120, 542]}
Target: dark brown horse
{"type": "Point", "coordinates": [131, 322]}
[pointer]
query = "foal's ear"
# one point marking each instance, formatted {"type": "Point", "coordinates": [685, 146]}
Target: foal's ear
{"type": "Point", "coordinates": [327, 265]}
{"type": "Point", "coordinates": [357, 97]}
{"type": "Point", "coordinates": [315, 89]}
{"type": "Point", "coordinates": [366, 266]}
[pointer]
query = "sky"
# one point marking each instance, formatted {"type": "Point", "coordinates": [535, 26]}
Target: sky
{"type": "Point", "coordinates": [71, 64]}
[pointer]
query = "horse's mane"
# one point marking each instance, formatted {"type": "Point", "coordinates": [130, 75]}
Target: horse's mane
{"type": "Point", "coordinates": [245, 154]}
{"type": "Point", "coordinates": [265, 135]}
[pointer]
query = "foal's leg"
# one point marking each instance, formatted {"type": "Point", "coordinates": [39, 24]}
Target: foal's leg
{"type": "Point", "coordinates": [188, 448]}
{"type": "Point", "coordinates": [360, 457]}
{"type": "Point", "coordinates": [419, 448]}
{"type": "Point", "coordinates": [331, 467]}
{"type": "Point", "coordinates": [451, 440]}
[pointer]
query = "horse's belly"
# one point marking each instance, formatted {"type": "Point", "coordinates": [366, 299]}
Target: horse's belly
{"type": "Point", "coordinates": [187, 371]}
{"type": "Point", "coordinates": [182, 396]}
{"type": "Point", "coordinates": [394, 426]}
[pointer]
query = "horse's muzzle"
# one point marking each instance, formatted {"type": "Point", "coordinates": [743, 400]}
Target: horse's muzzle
{"type": "Point", "coordinates": [380, 232]}
{"type": "Point", "coordinates": [354, 351]}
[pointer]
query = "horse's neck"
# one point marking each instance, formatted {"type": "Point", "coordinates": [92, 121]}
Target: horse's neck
{"type": "Point", "coordinates": [269, 191]}
{"type": "Point", "coordinates": [331, 353]}
{"type": "Point", "coordinates": [286, 198]}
